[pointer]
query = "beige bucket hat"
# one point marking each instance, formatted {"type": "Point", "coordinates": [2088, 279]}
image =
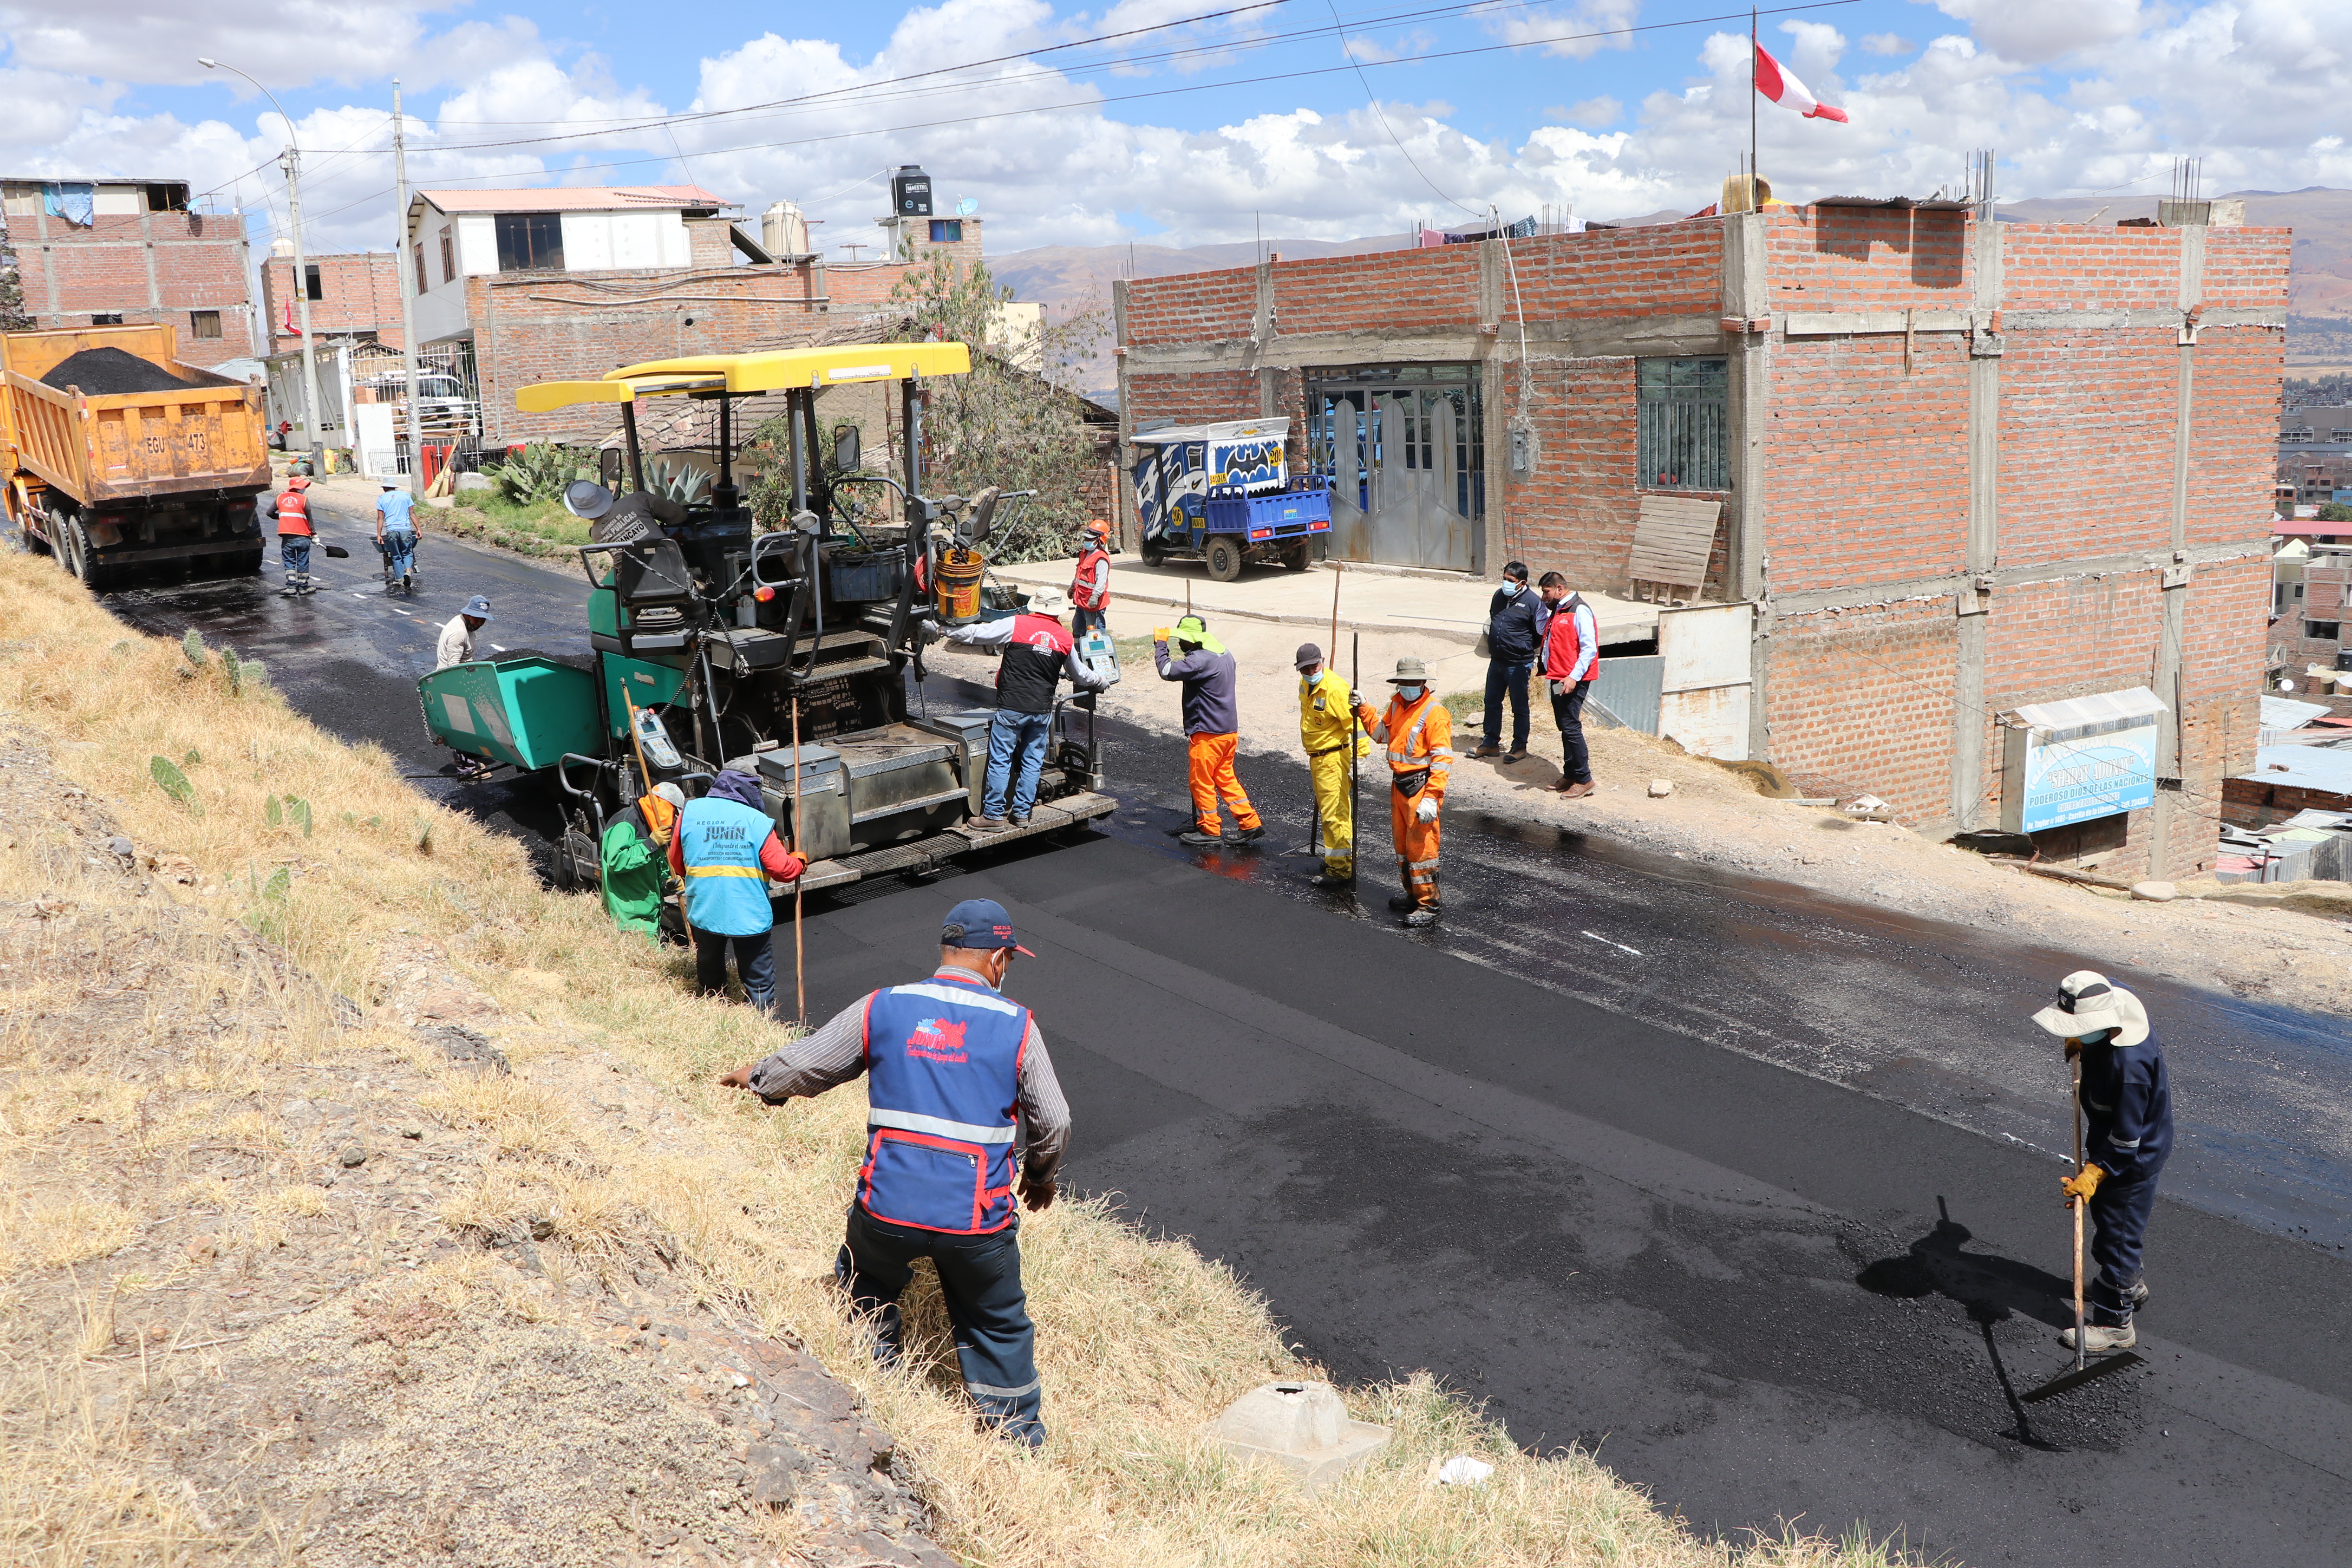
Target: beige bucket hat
{"type": "Point", "coordinates": [2089, 1002]}
{"type": "Point", "coordinates": [1408, 669]}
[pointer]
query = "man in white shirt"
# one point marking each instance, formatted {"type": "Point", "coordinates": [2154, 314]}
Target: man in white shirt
{"type": "Point", "coordinates": [456, 645]}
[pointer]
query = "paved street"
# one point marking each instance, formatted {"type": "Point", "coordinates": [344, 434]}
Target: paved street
{"type": "Point", "coordinates": [1594, 1151]}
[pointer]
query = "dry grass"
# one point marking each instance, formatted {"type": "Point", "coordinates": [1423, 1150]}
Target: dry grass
{"type": "Point", "coordinates": [1140, 1341]}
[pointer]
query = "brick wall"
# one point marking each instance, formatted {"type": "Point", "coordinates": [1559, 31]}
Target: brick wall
{"type": "Point", "coordinates": [1861, 698]}
{"type": "Point", "coordinates": [1869, 258]}
{"type": "Point", "coordinates": [556, 326]}
{"type": "Point", "coordinates": [1573, 515]}
{"type": "Point", "coordinates": [2073, 266]}
{"type": "Point", "coordinates": [1659, 269]}
{"type": "Point", "coordinates": [1410, 288]}
{"type": "Point", "coordinates": [358, 293]}
{"type": "Point", "coordinates": [161, 267]}
{"type": "Point", "coordinates": [2086, 443]}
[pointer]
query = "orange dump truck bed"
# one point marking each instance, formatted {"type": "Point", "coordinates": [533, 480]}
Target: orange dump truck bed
{"type": "Point", "coordinates": [207, 437]}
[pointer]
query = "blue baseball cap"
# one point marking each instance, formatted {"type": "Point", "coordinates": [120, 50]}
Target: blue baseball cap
{"type": "Point", "coordinates": [981, 922]}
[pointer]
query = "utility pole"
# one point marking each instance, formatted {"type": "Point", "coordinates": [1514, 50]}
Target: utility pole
{"type": "Point", "coordinates": [292, 163]}
{"type": "Point", "coordinates": [401, 264]}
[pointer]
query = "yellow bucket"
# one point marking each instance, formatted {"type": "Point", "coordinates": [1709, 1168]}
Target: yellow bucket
{"type": "Point", "coordinates": [958, 588]}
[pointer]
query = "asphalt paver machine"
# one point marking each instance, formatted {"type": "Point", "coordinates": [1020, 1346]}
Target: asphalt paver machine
{"type": "Point", "coordinates": [780, 652]}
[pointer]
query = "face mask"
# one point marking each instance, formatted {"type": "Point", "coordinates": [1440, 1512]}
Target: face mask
{"type": "Point", "coordinates": [1410, 693]}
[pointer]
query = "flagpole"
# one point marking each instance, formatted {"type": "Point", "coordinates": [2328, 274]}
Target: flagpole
{"type": "Point", "coordinates": [1755, 201]}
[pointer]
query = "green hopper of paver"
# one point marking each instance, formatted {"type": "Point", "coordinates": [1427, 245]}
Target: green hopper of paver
{"type": "Point", "coordinates": [526, 711]}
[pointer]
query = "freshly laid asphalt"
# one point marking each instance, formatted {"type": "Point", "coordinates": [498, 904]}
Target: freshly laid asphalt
{"type": "Point", "coordinates": [1754, 1290]}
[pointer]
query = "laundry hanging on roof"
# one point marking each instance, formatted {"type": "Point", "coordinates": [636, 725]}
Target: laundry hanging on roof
{"type": "Point", "coordinates": [76, 201]}
{"type": "Point", "coordinates": [1779, 83]}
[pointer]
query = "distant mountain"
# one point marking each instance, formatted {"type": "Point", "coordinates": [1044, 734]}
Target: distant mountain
{"type": "Point", "coordinates": [1070, 280]}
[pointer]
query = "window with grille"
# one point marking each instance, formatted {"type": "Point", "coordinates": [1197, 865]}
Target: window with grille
{"type": "Point", "coordinates": [448, 257]}
{"type": "Point", "coordinates": [1685, 425]}
{"type": "Point", "coordinates": [531, 242]}
{"type": "Point", "coordinates": [2321, 631]}
{"type": "Point", "coordinates": [107, 319]}
{"type": "Point", "coordinates": [203, 324]}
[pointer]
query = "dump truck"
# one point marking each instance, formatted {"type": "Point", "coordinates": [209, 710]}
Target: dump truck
{"type": "Point", "coordinates": [782, 652]}
{"type": "Point", "coordinates": [107, 480]}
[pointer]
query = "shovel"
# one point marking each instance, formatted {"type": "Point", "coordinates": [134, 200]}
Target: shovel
{"type": "Point", "coordinates": [2083, 1371]}
{"type": "Point", "coordinates": [336, 552]}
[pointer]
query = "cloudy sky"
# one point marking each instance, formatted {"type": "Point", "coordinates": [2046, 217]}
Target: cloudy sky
{"type": "Point", "coordinates": [1315, 118]}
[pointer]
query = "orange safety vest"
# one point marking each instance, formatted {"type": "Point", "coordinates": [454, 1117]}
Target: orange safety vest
{"type": "Point", "coordinates": [294, 512]}
{"type": "Point", "coordinates": [1420, 738]}
{"type": "Point", "coordinates": [1082, 593]}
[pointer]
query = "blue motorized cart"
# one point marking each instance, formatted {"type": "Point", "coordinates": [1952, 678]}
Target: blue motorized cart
{"type": "Point", "coordinates": [1220, 494]}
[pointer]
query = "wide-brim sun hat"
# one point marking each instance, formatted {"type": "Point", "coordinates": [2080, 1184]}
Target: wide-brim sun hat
{"type": "Point", "coordinates": [1410, 671]}
{"type": "Point", "coordinates": [2089, 1002]}
{"type": "Point", "coordinates": [1048, 601]}
{"type": "Point", "coordinates": [586, 500]}
{"type": "Point", "coordinates": [478, 607]}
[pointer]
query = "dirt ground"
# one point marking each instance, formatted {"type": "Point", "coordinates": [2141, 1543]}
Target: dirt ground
{"type": "Point", "coordinates": [2292, 945]}
{"type": "Point", "coordinates": [269, 1268]}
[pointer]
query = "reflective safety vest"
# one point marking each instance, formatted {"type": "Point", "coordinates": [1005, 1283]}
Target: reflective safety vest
{"type": "Point", "coordinates": [294, 512]}
{"type": "Point", "coordinates": [1420, 738]}
{"type": "Point", "coordinates": [942, 1091]}
{"type": "Point", "coordinates": [1083, 591]}
{"type": "Point", "coordinates": [726, 890]}
{"type": "Point", "coordinates": [1326, 716]}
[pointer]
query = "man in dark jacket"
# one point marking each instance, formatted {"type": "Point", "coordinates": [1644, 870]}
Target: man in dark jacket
{"type": "Point", "coordinates": [1037, 656]}
{"type": "Point", "coordinates": [725, 851]}
{"type": "Point", "coordinates": [1211, 729]}
{"type": "Point", "coordinates": [1511, 620]}
{"type": "Point", "coordinates": [2127, 1113]}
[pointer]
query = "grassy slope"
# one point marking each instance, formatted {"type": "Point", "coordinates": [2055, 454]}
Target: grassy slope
{"type": "Point", "coordinates": [1140, 1341]}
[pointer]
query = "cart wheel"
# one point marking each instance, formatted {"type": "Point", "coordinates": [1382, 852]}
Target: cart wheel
{"type": "Point", "coordinates": [1224, 559]}
{"type": "Point", "coordinates": [1297, 557]}
{"type": "Point", "coordinates": [1153, 556]}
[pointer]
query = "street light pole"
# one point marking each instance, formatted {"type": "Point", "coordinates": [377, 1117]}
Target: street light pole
{"type": "Point", "coordinates": [292, 163]}
{"type": "Point", "coordinates": [401, 260]}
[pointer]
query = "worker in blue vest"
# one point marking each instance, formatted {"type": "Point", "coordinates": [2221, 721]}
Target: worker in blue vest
{"type": "Point", "coordinates": [956, 1073]}
{"type": "Point", "coordinates": [725, 851]}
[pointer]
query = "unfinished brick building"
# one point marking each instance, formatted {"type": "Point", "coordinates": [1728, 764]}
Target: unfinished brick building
{"type": "Point", "coordinates": [1965, 467]}
{"type": "Point", "coordinates": [355, 295]}
{"type": "Point", "coordinates": [119, 252]}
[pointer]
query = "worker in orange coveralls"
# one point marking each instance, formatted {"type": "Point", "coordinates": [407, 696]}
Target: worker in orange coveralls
{"type": "Point", "coordinates": [1213, 723]}
{"type": "Point", "coordinates": [1418, 734]}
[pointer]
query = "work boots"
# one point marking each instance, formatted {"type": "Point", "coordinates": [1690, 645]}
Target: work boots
{"type": "Point", "coordinates": [304, 585]}
{"type": "Point", "coordinates": [2099, 1339]}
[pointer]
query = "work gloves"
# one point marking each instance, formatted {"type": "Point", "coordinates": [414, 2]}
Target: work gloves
{"type": "Point", "coordinates": [2082, 1184]}
{"type": "Point", "coordinates": [1427, 810]}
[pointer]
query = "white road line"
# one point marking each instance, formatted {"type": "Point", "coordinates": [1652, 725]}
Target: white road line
{"type": "Point", "coordinates": [1617, 945]}
{"type": "Point", "coordinates": [397, 610]}
{"type": "Point", "coordinates": [498, 648]}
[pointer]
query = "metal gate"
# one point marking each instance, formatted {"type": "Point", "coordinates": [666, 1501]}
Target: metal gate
{"type": "Point", "coordinates": [1405, 448]}
{"type": "Point", "coordinates": [449, 405]}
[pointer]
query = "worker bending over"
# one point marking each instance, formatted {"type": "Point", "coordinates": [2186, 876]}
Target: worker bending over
{"type": "Point", "coordinates": [1326, 725]}
{"type": "Point", "coordinates": [1418, 734]}
{"type": "Point", "coordinates": [724, 852]}
{"type": "Point", "coordinates": [455, 646]}
{"type": "Point", "coordinates": [396, 536]}
{"type": "Point", "coordinates": [1213, 723]}
{"type": "Point", "coordinates": [956, 1074]}
{"type": "Point", "coordinates": [633, 855]}
{"type": "Point", "coordinates": [1037, 656]}
{"type": "Point", "coordinates": [2127, 1111]}
{"type": "Point", "coordinates": [1090, 584]}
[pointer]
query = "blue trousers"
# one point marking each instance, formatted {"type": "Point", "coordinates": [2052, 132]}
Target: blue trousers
{"type": "Point", "coordinates": [979, 1278]}
{"type": "Point", "coordinates": [401, 547]}
{"type": "Point", "coordinates": [2120, 1209]}
{"type": "Point", "coordinates": [294, 551]}
{"type": "Point", "coordinates": [755, 966]}
{"type": "Point", "coordinates": [1507, 677]}
{"type": "Point", "coordinates": [1016, 750]}
{"type": "Point", "coordinates": [1086, 620]}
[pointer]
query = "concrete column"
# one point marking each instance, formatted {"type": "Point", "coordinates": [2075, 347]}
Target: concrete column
{"type": "Point", "coordinates": [1746, 294]}
{"type": "Point", "coordinates": [1983, 549]}
{"type": "Point", "coordinates": [1263, 327]}
{"type": "Point", "coordinates": [1130, 537]}
{"type": "Point", "coordinates": [1490, 543]}
{"type": "Point", "coordinates": [2175, 577]}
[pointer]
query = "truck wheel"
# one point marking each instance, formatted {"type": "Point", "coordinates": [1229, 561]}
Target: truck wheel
{"type": "Point", "coordinates": [1224, 559]}
{"type": "Point", "coordinates": [1297, 557]}
{"type": "Point", "coordinates": [247, 562]}
{"type": "Point", "coordinates": [82, 557]}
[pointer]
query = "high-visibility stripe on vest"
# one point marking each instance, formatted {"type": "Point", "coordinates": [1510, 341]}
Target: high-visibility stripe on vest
{"type": "Point", "coordinates": [294, 512]}
{"type": "Point", "coordinates": [942, 1091]}
{"type": "Point", "coordinates": [1411, 748]}
{"type": "Point", "coordinates": [726, 890]}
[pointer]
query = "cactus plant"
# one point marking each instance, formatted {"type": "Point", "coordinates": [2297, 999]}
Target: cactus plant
{"type": "Point", "coordinates": [536, 473]}
{"type": "Point", "coordinates": [193, 646]}
{"type": "Point", "coordinates": [174, 784]}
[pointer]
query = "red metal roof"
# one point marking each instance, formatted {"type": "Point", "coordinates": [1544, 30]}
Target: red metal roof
{"type": "Point", "coordinates": [575, 198]}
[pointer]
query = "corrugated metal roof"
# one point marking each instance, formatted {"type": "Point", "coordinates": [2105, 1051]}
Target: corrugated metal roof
{"type": "Point", "coordinates": [575, 198]}
{"type": "Point", "coordinates": [2286, 713]}
{"type": "Point", "coordinates": [2323, 768]}
{"type": "Point", "coordinates": [2101, 708]}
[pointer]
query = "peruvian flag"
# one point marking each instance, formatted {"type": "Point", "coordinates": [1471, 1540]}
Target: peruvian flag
{"type": "Point", "coordinates": [1779, 83]}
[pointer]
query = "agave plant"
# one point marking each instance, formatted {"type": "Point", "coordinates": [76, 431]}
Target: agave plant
{"type": "Point", "coordinates": [680, 482]}
{"type": "Point", "coordinates": [536, 473]}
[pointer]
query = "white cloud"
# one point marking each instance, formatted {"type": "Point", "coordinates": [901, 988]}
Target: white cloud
{"type": "Point", "coordinates": [1593, 113]}
{"type": "Point", "coordinates": [1576, 32]}
{"type": "Point", "coordinates": [2032, 31]}
{"type": "Point", "coordinates": [1886, 44]}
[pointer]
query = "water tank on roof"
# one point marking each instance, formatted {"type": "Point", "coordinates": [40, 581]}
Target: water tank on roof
{"type": "Point", "coordinates": [783, 231]}
{"type": "Point", "coordinates": [911, 191]}
{"type": "Point", "coordinates": [283, 250]}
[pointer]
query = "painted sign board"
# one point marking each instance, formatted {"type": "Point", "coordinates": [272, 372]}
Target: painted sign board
{"type": "Point", "coordinates": [2065, 762]}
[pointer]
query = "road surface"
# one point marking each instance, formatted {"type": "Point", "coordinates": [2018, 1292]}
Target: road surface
{"type": "Point", "coordinates": [1745, 1190]}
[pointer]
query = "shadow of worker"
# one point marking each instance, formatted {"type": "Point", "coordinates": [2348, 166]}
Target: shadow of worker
{"type": "Point", "coordinates": [1992, 1289]}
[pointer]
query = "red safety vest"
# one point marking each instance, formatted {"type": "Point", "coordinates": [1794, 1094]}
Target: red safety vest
{"type": "Point", "coordinates": [1082, 593]}
{"type": "Point", "coordinates": [294, 512]}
